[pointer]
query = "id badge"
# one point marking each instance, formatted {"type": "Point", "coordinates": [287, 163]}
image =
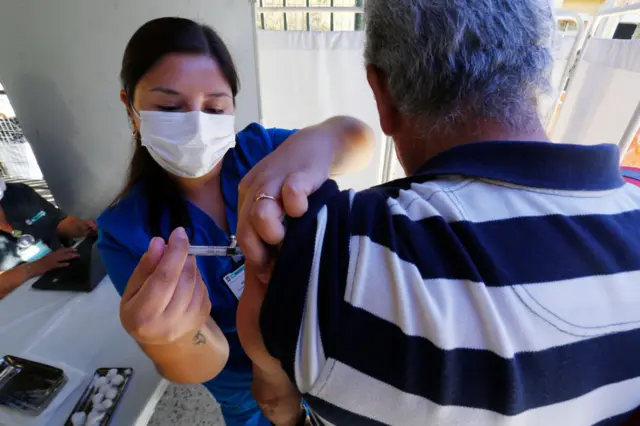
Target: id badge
{"type": "Point", "coordinates": [235, 281]}
{"type": "Point", "coordinates": [34, 252]}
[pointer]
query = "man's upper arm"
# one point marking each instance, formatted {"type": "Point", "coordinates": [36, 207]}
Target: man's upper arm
{"type": "Point", "coordinates": [306, 291]}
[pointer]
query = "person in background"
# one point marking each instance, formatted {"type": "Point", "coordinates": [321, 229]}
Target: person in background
{"type": "Point", "coordinates": [631, 162]}
{"type": "Point", "coordinates": [32, 232]}
{"type": "Point", "coordinates": [632, 156]}
{"type": "Point", "coordinates": [496, 285]}
{"type": "Point", "coordinates": [179, 87]}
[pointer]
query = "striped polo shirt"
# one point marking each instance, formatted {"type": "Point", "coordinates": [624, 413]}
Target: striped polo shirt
{"type": "Point", "coordinates": [499, 285]}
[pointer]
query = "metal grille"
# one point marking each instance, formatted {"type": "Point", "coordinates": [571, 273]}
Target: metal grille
{"type": "Point", "coordinates": [16, 156]}
{"type": "Point", "coordinates": [38, 185]}
{"type": "Point", "coordinates": [308, 15]}
{"type": "Point", "coordinates": [10, 131]}
{"type": "Point", "coordinates": [11, 134]}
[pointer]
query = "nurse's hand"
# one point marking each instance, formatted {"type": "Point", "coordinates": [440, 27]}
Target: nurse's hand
{"type": "Point", "coordinates": [165, 299]}
{"type": "Point", "coordinates": [289, 175]}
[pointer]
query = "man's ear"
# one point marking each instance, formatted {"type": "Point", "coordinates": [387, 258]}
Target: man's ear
{"type": "Point", "coordinates": [390, 117]}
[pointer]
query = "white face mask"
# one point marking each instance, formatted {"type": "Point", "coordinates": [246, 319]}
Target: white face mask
{"type": "Point", "coordinates": [187, 144]}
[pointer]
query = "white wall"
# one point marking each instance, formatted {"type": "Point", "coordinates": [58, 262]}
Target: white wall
{"type": "Point", "coordinates": [324, 76]}
{"type": "Point", "coordinates": [603, 94]}
{"type": "Point", "coordinates": [59, 63]}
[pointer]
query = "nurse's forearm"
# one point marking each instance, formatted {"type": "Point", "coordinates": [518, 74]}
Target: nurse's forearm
{"type": "Point", "coordinates": [354, 144]}
{"type": "Point", "coordinates": [13, 278]}
{"type": "Point", "coordinates": [196, 358]}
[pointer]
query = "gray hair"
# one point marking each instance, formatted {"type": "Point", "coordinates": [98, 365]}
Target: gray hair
{"type": "Point", "coordinates": [454, 59]}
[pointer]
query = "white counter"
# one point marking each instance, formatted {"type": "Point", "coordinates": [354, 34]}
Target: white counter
{"type": "Point", "coordinates": [84, 332]}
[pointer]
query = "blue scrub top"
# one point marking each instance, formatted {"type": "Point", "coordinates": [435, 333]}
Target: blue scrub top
{"type": "Point", "coordinates": [124, 237]}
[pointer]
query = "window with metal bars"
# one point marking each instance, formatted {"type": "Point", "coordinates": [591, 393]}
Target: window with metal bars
{"type": "Point", "coordinates": [10, 131]}
{"type": "Point", "coordinates": [307, 15]}
{"type": "Point", "coordinates": [16, 156]}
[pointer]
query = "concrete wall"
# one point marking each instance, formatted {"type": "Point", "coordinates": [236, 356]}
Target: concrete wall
{"type": "Point", "coordinates": [59, 63]}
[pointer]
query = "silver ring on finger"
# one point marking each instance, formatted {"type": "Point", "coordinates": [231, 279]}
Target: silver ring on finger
{"type": "Point", "coordinates": [263, 196]}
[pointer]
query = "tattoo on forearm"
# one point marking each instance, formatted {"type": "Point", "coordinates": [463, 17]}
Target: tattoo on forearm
{"type": "Point", "coordinates": [199, 339]}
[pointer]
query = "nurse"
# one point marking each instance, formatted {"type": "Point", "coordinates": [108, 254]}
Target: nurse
{"type": "Point", "coordinates": [179, 85]}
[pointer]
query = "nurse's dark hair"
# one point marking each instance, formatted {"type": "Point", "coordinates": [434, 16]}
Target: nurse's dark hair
{"type": "Point", "coordinates": [153, 41]}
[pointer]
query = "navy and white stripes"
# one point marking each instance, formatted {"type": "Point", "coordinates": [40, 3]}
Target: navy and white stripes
{"type": "Point", "coordinates": [444, 299]}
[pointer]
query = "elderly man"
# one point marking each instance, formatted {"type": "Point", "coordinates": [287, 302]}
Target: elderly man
{"type": "Point", "coordinates": [497, 285]}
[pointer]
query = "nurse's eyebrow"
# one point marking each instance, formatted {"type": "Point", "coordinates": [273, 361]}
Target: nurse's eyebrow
{"type": "Point", "coordinates": [165, 90]}
{"type": "Point", "coordinates": [168, 91]}
{"type": "Point", "coordinates": [218, 95]}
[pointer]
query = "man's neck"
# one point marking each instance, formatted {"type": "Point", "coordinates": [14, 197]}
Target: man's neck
{"type": "Point", "coordinates": [416, 147]}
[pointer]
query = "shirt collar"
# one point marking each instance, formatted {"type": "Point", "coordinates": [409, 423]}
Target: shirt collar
{"type": "Point", "coordinates": [534, 164]}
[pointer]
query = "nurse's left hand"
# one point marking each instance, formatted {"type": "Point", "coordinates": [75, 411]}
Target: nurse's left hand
{"type": "Point", "coordinates": [292, 173]}
{"type": "Point", "coordinates": [289, 175]}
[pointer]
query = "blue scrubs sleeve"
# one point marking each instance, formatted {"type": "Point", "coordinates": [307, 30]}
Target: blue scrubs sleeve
{"type": "Point", "coordinates": [253, 144]}
{"type": "Point", "coordinates": [279, 135]}
{"type": "Point", "coordinates": [119, 262]}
